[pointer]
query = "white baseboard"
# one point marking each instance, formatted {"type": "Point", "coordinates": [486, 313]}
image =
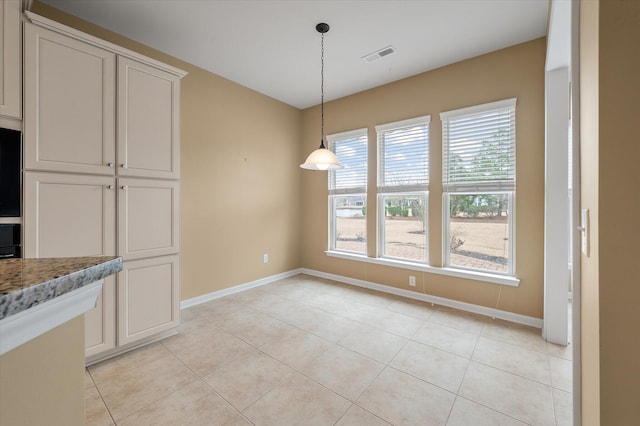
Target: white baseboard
{"type": "Point", "coordinates": [237, 289]}
{"type": "Point", "coordinates": [468, 307]}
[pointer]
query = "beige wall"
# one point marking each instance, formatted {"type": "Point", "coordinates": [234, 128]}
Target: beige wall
{"type": "Point", "coordinates": [239, 173]}
{"type": "Point", "coordinates": [240, 185]}
{"type": "Point", "coordinates": [610, 149]}
{"type": "Point", "coordinates": [513, 72]}
{"type": "Point", "coordinates": [42, 381]}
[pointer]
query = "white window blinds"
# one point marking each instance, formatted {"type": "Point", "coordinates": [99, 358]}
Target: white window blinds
{"type": "Point", "coordinates": [403, 155]}
{"type": "Point", "coordinates": [479, 148]}
{"type": "Point", "coordinates": [351, 150]}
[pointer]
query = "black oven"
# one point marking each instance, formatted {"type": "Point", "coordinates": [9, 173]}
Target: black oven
{"type": "Point", "coordinates": [10, 240]}
{"type": "Point", "coordinates": [10, 172]}
{"type": "Point", "coordinates": [10, 189]}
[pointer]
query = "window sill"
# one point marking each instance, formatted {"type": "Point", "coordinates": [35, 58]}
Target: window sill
{"type": "Point", "coordinates": [452, 272]}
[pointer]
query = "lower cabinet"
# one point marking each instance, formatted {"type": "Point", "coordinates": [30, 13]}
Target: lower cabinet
{"type": "Point", "coordinates": [148, 298]}
{"type": "Point", "coordinates": [143, 302]}
{"type": "Point", "coordinates": [100, 322]}
{"type": "Point", "coordinates": [69, 215]}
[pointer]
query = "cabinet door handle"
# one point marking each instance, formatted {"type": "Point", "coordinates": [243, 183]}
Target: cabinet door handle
{"type": "Point", "coordinates": [109, 164]}
{"type": "Point", "coordinates": [109, 186]}
{"type": "Point", "coordinates": [123, 165]}
{"type": "Point", "coordinates": [123, 187]}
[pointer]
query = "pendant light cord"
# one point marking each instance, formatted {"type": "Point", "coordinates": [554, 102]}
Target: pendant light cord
{"type": "Point", "coordinates": [322, 90]}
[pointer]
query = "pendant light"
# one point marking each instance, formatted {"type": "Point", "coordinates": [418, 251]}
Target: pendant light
{"type": "Point", "coordinates": [322, 158]}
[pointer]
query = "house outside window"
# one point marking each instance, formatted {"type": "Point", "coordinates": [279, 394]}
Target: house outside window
{"type": "Point", "coordinates": [479, 187]}
{"type": "Point", "coordinates": [403, 187]}
{"type": "Point", "coordinates": [348, 193]}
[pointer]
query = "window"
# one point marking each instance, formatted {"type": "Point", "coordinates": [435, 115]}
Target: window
{"type": "Point", "coordinates": [348, 193]}
{"type": "Point", "coordinates": [479, 183]}
{"type": "Point", "coordinates": [403, 185]}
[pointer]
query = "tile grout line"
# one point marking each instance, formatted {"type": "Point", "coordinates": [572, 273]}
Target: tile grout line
{"type": "Point", "coordinates": [101, 397]}
{"type": "Point", "coordinates": [201, 378]}
{"type": "Point", "coordinates": [225, 400]}
{"type": "Point", "coordinates": [166, 395]}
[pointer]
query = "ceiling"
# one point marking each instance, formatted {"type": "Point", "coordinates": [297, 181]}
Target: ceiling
{"type": "Point", "coordinates": [271, 46]}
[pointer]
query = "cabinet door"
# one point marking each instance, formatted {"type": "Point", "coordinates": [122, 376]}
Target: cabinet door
{"type": "Point", "coordinates": [148, 298]}
{"type": "Point", "coordinates": [11, 77]}
{"type": "Point", "coordinates": [100, 322]}
{"type": "Point", "coordinates": [69, 111]}
{"type": "Point", "coordinates": [68, 215]}
{"type": "Point", "coordinates": [148, 222]}
{"type": "Point", "coordinates": [148, 121]}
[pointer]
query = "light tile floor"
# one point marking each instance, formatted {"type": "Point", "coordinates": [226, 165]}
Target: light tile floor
{"type": "Point", "coordinates": [307, 351]}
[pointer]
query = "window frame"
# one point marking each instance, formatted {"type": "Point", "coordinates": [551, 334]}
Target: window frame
{"type": "Point", "coordinates": [400, 190]}
{"type": "Point", "coordinates": [478, 188]}
{"type": "Point", "coordinates": [334, 193]}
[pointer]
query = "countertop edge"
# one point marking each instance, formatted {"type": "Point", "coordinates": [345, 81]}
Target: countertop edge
{"type": "Point", "coordinates": [29, 324]}
{"type": "Point", "coordinates": [19, 301]}
{"type": "Point", "coordinates": [63, 294]}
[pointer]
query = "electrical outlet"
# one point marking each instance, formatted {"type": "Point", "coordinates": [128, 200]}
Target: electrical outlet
{"type": "Point", "coordinates": [265, 258]}
{"type": "Point", "coordinates": [412, 281]}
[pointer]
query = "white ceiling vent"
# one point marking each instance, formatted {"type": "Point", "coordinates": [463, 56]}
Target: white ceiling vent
{"type": "Point", "coordinates": [379, 54]}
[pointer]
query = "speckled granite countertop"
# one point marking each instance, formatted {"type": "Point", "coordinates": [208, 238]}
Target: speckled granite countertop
{"type": "Point", "coordinates": [28, 282]}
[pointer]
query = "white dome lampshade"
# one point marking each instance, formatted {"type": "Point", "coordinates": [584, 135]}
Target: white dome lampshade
{"type": "Point", "coordinates": [322, 159]}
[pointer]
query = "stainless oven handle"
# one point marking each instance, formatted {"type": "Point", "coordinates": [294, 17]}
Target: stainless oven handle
{"type": "Point", "coordinates": [7, 255]}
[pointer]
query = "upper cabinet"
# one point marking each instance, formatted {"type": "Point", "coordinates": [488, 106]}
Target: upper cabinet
{"type": "Point", "coordinates": [148, 117]}
{"type": "Point", "coordinates": [93, 107]}
{"type": "Point", "coordinates": [10, 69]}
{"type": "Point", "coordinates": [69, 121]}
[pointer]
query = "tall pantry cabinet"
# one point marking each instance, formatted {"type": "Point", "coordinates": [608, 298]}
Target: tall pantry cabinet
{"type": "Point", "coordinates": [10, 80]}
{"type": "Point", "coordinates": [102, 175]}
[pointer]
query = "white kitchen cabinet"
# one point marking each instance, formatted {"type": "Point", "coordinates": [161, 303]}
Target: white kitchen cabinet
{"type": "Point", "coordinates": [100, 322]}
{"type": "Point", "coordinates": [75, 215]}
{"type": "Point", "coordinates": [148, 298]}
{"type": "Point", "coordinates": [101, 158]}
{"type": "Point", "coordinates": [10, 59]}
{"type": "Point", "coordinates": [148, 121]}
{"type": "Point", "coordinates": [69, 104]}
{"type": "Point", "coordinates": [148, 220]}
{"type": "Point", "coordinates": [68, 215]}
